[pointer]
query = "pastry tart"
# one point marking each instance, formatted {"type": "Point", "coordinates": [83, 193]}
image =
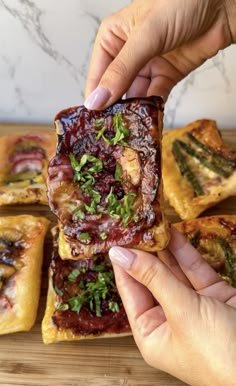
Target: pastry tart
{"type": "Point", "coordinates": [199, 170]}
{"type": "Point", "coordinates": [24, 161]}
{"type": "Point", "coordinates": [21, 252]}
{"type": "Point", "coordinates": [83, 301]}
{"type": "Point", "coordinates": [104, 183]}
{"type": "Point", "coordinates": [215, 238]}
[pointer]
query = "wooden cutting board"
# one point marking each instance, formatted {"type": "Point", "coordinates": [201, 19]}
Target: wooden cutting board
{"type": "Point", "coordinates": [25, 360]}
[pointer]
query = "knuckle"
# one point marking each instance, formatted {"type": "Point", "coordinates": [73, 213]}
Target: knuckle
{"type": "Point", "coordinates": [144, 326]}
{"type": "Point", "coordinates": [150, 275]}
{"type": "Point", "coordinates": [196, 264]}
{"type": "Point", "coordinates": [104, 24]}
{"type": "Point", "coordinates": [119, 68]}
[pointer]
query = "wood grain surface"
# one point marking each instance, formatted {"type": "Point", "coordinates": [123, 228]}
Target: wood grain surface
{"type": "Point", "coordinates": [25, 360]}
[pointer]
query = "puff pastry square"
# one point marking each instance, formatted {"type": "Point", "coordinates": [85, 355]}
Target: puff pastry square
{"type": "Point", "coordinates": [199, 170]}
{"type": "Point", "coordinates": [24, 161]}
{"type": "Point", "coordinates": [21, 252]}
{"type": "Point", "coordinates": [215, 239]}
{"type": "Point", "coordinates": [82, 300]}
{"type": "Point", "coordinates": [105, 182]}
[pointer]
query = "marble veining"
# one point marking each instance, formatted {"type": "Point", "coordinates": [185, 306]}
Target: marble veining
{"type": "Point", "coordinates": [29, 15]}
{"type": "Point", "coordinates": [44, 57]}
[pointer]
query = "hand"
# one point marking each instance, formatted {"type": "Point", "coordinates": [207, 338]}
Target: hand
{"type": "Point", "coordinates": [150, 45]}
{"type": "Point", "coordinates": [190, 333]}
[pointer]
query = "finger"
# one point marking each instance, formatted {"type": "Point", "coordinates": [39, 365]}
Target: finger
{"type": "Point", "coordinates": [168, 259]}
{"type": "Point", "coordinates": [156, 277]}
{"type": "Point", "coordinates": [106, 47]}
{"type": "Point", "coordinates": [232, 301]}
{"type": "Point", "coordinates": [197, 270]}
{"type": "Point", "coordinates": [139, 87]}
{"type": "Point", "coordinates": [141, 308]}
{"type": "Point", "coordinates": [161, 85]}
{"type": "Point", "coordinates": [164, 76]}
{"type": "Point", "coordinates": [221, 291]}
{"type": "Point", "coordinates": [121, 72]}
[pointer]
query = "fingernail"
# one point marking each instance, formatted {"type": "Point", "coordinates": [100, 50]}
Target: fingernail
{"type": "Point", "coordinates": [122, 257]}
{"type": "Point", "coordinates": [97, 99]}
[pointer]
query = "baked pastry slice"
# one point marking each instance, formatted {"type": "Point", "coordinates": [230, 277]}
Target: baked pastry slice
{"type": "Point", "coordinates": [21, 252]}
{"type": "Point", "coordinates": [199, 170]}
{"type": "Point", "coordinates": [82, 300]}
{"type": "Point", "coordinates": [105, 182]}
{"type": "Point", "coordinates": [215, 239]}
{"type": "Point", "coordinates": [24, 161]}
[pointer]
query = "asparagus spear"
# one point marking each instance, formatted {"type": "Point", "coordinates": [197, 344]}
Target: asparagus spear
{"type": "Point", "coordinates": [230, 260]}
{"type": "Point", "coordinates": [203, 160]}
{"type": "Point", "coordinates": [185, 170]}
{"type": "Point", "coordinates": [195, 239]}
{"type": "Point", "coordinates": [217, 158]}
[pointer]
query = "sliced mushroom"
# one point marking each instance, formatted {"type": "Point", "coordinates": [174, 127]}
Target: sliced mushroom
{"type": "Point", "coordinates": [131, 165]}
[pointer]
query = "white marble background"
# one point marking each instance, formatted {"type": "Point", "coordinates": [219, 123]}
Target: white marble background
{"type": "Point", "coordinates": [45, 47]}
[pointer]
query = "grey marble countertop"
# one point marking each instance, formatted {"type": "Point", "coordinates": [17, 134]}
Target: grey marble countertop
{"type": "Point", "coordinates": [44, 55]}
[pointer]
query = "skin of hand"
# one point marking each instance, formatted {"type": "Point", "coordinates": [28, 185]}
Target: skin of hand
{"type": "Point", "coordinates": [182, 314]}
{"type": "Point", "coordinates": [150, 45]}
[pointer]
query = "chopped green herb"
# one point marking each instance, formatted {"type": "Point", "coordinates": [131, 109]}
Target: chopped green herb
{"type": "Point", "coordinates": [87, 180]}
{"type": "Point", "coordinates": [73, 275]}
{"type": "Point", "coordinates": [118, 210]}
{"type": "Point", "coordinates": [85, 176]}
{"type": "Point", "coordinates": [113, 306]}
{"type": "Point", "coordinates": [58, 291]}
{"type": "Point", "coordinates": [92, 208]}
{"type": "Point", "coordinates": [93, 293]}
{"type": "Point", "coordinates": [86, 158]}
{"type": "Point", "coordinates": [81, 284]}
{"type": "Point", "coordinates": [103, 236]}
{"type": "Point", "coordinates": [98, 268]}
{"type": "Point", "coordinates": [84, 236]}
{"type": "Point", "coordinates": [114, 205]}
{"type": "Point", "coordinates": [83, 269]}
{"type": "Point", "coordinates": [127, 210]}
{"type": "Point", "coordinates": [100, 134]}
{"type": "Point", "coordinates": [63, 307]}
{"type": "Point", "coordinates": [97, 302]}
{"type": "Point", "coordinates": [118, 172]}
{"type": "Point", "coordinates": [79, 213]}
{"type": "Point", "coordinates": [73, 161]}
{"type": "Point", "coordinates": [121, 132]}
{"type": "Point", "coordinates": [99, 122]}
{"type": "Point", "coordinates": [77, 302]}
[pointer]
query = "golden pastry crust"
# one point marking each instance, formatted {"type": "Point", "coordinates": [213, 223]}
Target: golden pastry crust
{"type": "Point", "coordinates": [19, 297]}
{"type": "Point", "coordinates": [215, 187]}
{"type": "Point", "coordinates": [52, 334]}
{"type": "Point", "coordinates": [215, 239]}
{"type": "Point", "coordinates": [102, 326]}
{"type": "Point", "coordinates": [13, 149]}
{"type": "Point", "coordinates": [104, 183]}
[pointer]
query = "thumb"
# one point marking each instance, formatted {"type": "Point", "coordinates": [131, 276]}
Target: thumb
{"type": "Point", "coordinates": [121, 72]}
{"type": "Point", "coordinates": [172, 294]}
